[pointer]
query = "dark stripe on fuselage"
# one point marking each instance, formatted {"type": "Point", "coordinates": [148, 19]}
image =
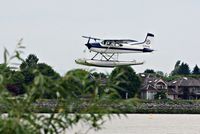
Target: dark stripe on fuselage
{"type": "Point", "coordinates": [97, 45]}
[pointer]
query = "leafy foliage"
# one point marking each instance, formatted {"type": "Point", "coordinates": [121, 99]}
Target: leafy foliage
{"type": "Point", "coordinates": [160, 73]}
{"type": "Point", "coordinates": [41, 81]}
{"type": "Point", "coordinates": [160, 95]}
{"type": "Point", "coordinates": [82, 84]}
{"type": "Point", "coordinates": [27, 67]}
{"type": "Point", "coordinates": [48, 71]}
{"type": "Point", "coordinates": [181, 69]}
{"type": "Point", "coordinates": [149, 71]}
{"type": "Point", "coordinates": [99, 75]}
{"type": "Point", "coordinates": [125, 78]}
{"type": "Point", "coordinates": [196, 70]}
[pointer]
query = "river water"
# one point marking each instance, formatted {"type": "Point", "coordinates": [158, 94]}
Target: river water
{"type": "Point", "coordinates": [147, 124]}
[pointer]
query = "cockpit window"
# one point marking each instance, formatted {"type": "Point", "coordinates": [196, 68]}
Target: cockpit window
{"type": "Point", "coordinates": [106, 43]}
{"type": "Point", "coordinates": [103, 42]}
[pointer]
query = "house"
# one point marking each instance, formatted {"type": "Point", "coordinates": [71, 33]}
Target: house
{"type": "Point", "coordinates": [182, 88]}
{"type": "Point", "coordinates": [185, 87]}
{"type": "Point", "coordinates": [172, 94]}
{"type": "Point", "coordinates": [151, 85]}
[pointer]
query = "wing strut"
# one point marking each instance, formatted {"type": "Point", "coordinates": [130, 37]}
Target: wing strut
{"type": "Point", "coordinates": [94, 56]}
{"type": "Point", "coordinates": [107, 57]}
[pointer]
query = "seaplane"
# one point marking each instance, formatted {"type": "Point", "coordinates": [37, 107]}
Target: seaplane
{"type": "Point", "coordinates": [107, 48]}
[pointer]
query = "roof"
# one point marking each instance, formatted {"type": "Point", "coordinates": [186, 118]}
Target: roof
{"type": "Point", "coordinates": [149, 80]}
{"type": "Point", "coordinates": [185, 82]}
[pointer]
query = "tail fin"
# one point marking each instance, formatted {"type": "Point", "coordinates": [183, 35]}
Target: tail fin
{"type": "Point", "coordinates": [149, 39]}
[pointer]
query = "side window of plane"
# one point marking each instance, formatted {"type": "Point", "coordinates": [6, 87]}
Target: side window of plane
{"type": "Point", "coordinates": [119, 44]}
{"type": "Point", "coordinates": [104, 42]}
{"type": "Point", "coordinates": [112, 44]}
{"type": "Point", "coordinates": [108, 43]}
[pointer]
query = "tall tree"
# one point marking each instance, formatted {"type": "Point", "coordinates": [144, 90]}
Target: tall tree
{"type": "Point", "coordinates": [28, 66]}
{"type": "Point", "coordinates": [47, 70]}
{"type": "Point", "coordinates": [160, 95]}
{"type": "Point", "coordinates": [30, 62]}
{"type": "Point", "coordinates": [160, 73]}
{"type": "Point", "coordinates": [126, 79]}
{"type": "Point", "coordinates": [181, 69]}
{"type": "Point", "coordinates": [184, 69]}
{"type": "Point", "coordinates": [149, 71]}
{"type": "Point", "coordinates": [77, 82]}
{"type": "Point", "coordinates": [176, 68]}
{"type": "Point", "coordinates": [81, 83]}
{"type": "Point", "coordinates": [196, 70]}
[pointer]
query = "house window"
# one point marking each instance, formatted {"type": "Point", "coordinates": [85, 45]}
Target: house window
{"type": "Point", "coordinates": [196, 90]}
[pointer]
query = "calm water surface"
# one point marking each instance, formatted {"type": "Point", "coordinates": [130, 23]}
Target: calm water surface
{"type": "Point", "coordinates": [147, 124]}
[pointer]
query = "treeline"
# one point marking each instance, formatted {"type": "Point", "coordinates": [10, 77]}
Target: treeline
{"type": "Point", "coordinates": [123, 82]}
{"type": "Point", "coordinates": [16, 80]}
{"type": "Point", "coordinates": [180, 69]}
{"type": "Point", "coordinates": [184, 69]}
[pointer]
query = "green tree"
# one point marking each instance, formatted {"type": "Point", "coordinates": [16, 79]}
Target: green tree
{"type": "Point", "coordinates": [181, 69]}
{"type": "Point", "coordinates": [22, 116]}
{"type": "Point", "coordinates": [48, 71]}
{"type": "Point", "coordinates": [196, 70]}
{"type": "Point", "coordinates": [75, 82]}
{"type": "Point", "coordinates": [80, 83]}
{"type": "Point", "coordinates": [31, 63]}
{"type": "Point", "coordinates": [126, 80]}
{"type": "Point", "coordinates": [6, 72]}
{"type": "Point", "coordinates": [149, 71]}
{"type": "Point", "coordinates": [27, 67]}
{"type": "Point", "coordinates": [160, 73]}
{"type": "Point", "coordinates": [99, 75]}
{"type": "Point", "coordinates": [81, 73]}
{"type": "Point", "coordinates": [184, 69]}
{"type": "Point", "coordinates": [22, 112]}
{"type": "Point", "coordinates": [13, 80]}
{"type": "Point", "coordinates": [160, 95]}
{"type": "Point", "coordinates": [176, 68]}
{"type": "Point", "coordinates": [16, 83]}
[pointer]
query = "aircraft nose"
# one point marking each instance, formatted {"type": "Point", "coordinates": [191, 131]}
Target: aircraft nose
{"type": "Point", "coordinates": [88, 45]}
{"type": "Point", "coordinates": [148, 50]}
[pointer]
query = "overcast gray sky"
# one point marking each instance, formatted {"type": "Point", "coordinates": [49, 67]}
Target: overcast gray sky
{"type": "Point", "coordinates": [52, 29]}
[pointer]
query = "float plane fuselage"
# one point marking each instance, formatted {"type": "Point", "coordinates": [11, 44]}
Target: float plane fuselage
{"type": "Point", "coordinates": [115, 46]}
{"type": "Point", "coordinates": [120, 46]}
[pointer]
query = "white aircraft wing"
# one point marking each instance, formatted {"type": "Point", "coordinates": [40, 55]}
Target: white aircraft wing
{"type": "Point", "coordinates": [91, 38]}
{"type": "Point", "coordinates": [120, 41]}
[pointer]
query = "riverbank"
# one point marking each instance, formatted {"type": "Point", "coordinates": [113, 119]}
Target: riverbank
{"type": "Point", "coordinates": [123, 106]}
